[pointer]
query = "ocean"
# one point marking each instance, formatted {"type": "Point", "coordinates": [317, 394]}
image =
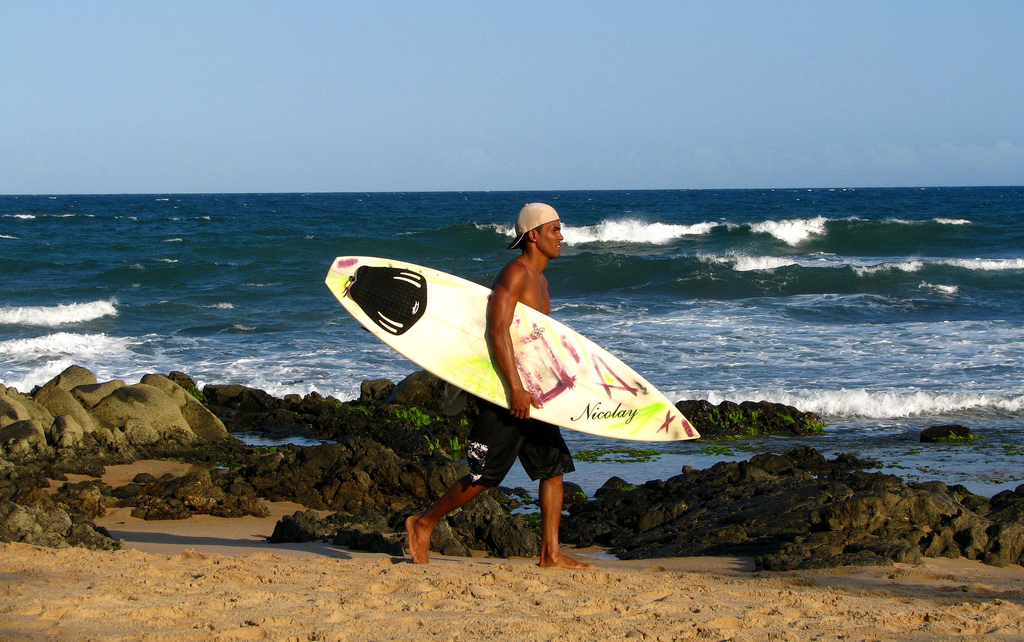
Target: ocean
{"type": "Point", "coordinates": [883, 310]}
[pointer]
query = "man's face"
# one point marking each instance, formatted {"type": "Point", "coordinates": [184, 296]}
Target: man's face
{"type": "Point", "coordinates": [549, 239]}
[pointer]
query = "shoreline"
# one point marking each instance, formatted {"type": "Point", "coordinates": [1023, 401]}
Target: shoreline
{"type": "Point", "coordinates": [208, 577]}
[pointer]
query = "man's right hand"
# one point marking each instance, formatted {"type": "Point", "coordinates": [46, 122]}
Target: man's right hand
{"type": "Point", "coordinates": [520, 403]}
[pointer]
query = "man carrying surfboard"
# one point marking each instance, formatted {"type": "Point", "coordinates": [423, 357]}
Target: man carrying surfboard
{"type": "Point", "coordinates": [500, 435]}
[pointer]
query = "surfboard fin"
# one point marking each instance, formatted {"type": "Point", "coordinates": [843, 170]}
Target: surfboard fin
{"type": "Point", "coordinates": [394, 298]}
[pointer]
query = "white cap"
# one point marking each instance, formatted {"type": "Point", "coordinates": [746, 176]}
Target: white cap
{"type": "Point", "coordinates": [532, 216]}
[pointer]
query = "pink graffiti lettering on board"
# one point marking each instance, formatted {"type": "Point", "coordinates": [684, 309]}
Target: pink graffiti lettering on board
{"type": "Point", "coordinates": [668, 421]}
{"type": "Point", "coordinates": [602, 380]}
{"type": "Point", "coordinates": [571, 350]}
{"type": "Point", "coordinates": [544, 369]}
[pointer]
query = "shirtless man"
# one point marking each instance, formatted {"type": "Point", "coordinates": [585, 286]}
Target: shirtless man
{"type": "Point", "coordinates": [500, 435]}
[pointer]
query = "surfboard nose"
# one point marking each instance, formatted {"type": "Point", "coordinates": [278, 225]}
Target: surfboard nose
{"type": "Point", "coordinates": [394, 298]}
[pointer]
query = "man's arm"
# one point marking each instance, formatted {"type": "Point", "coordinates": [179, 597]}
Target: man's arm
{"type": "Point", "coordinates": [508, 289]}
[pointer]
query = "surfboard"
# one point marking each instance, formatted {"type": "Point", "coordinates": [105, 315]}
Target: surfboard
{"type": "Point", "coordinates": [438, 321]}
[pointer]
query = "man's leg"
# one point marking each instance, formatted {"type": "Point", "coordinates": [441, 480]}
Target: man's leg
{"type": "Point", "coordinates": [419, 527]}
{"type": "Point", "coordinates": [551, 495]}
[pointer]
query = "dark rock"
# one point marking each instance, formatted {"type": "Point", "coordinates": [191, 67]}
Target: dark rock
{"type": "Point", "coordinates": [949, 433]}
{"type": "Point", "coordinates": [749, 419]}
{"type": "Point", "coordinates": [613, 486]}
{"type": "Point", "coordinates": [798, 511]}
{"type": "Point", "coordinates": [420, 389]}
{"type": "Point", "coordinates": [572, 494]}
{"type": "Point", "coordinates": [308, 526]}
{"type": "Point", "coordinates": [375, 390]}
{"type": "Point", "coordinates": [194, 493]}
{"type": "Point", "coordinates": [84, 501]}
{"type": "Point", "coordinates": [773, 464]}
{"type": "Point", "coordinates": [483, 525]}
{"type": "Point", "coordinates": [372, 542]}
{"type": "Point", "coordinates": [354, 475]}
{"type": "Point", "coordinates": [480, 525]}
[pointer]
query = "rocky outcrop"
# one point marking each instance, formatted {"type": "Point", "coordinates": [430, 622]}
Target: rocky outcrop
{"type": "Point", "coordinates": [203, 423]}
{"type": "Point", "coordinates": [365, 531]}
{"type": "Point", "coordinates": [354, 475]}
{"type": "Point", "coordinates": [481, 525]}
{"type": "Point", "coordinates": [406, 417]}
{"type": "Point", "coordinates": [195, 493]}
{"type": "Point", "coordinates": [801, 511]}
{"type": "Point", "coordinates": [730, 420]}
{"type": "Point", "coordinates": [75, 420]}
{"type": "Point", "coordinates": [35, 519]}
{"type": "Point", "coordinates": [24, 439]}
{"type": "Point", "coordinates": [145, 415]}
{"type": "Point", "coordinates": [947, 433]}
{"type": "Point", "coordinates": [61, 403]}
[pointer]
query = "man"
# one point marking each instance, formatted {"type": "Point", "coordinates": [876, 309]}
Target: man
{"type": "Point", "coordinates": [500, 435]}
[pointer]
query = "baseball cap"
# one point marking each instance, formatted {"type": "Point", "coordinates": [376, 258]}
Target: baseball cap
{"type": "Point", "coordinates": [532, 216]}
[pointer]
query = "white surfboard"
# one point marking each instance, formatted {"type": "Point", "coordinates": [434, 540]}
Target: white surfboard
{"type": "Point", "coordinates": [438, 321]}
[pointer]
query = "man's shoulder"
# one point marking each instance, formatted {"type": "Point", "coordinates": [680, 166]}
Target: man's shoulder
{"type": "Point", "coordinates": [514, 273]}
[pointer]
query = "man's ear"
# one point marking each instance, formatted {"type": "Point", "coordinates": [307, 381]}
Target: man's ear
{"type": "Point", "coordinates": [533, 235]}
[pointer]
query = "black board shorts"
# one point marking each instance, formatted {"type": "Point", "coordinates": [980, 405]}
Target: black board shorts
{"type": "Point", "coordinates": [497, 438]}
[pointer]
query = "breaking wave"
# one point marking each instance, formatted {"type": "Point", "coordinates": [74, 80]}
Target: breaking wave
{"type": "Point", "coordinates": [58, 315]}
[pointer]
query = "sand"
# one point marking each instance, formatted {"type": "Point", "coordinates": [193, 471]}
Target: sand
{"type": "Point", "coordinates": [209, 578]}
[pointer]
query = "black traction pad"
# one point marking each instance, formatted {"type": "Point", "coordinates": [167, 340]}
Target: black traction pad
{"type": "Point", "coordinates": [394, 298]}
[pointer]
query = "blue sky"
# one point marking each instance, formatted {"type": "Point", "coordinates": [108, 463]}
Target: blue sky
{"type": "Point", "coordinates": [141, 97]}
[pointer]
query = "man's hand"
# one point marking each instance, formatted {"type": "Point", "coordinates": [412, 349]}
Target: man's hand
{"type": "Point", "coordinates": [519, 404]}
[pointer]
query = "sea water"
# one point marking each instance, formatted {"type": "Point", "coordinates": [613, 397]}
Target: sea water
{"type": "Point", "coordinates": [883, 310]}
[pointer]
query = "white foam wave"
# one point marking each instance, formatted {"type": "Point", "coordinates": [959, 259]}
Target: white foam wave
{"type": "Point", "coordinates": [752, 263]}
{"type": "Point", "coordinates": [890, 404]}
{"type": "Point", "coordinates": [621, 231]}
{"type": "Point", "coordinates": [988, 265]}
{"type": "Point", "coordinates": [985, 265]}
{"type": "Point", "coordinates": [941, 289]}
{"type": "Point", "coordinates": [65, 344]}
{"type": "Point", "coordinates": [220, 306]}
{"type": "Point", "coordinates": [174, 240]}
{"type": "Point", "coordinates": [632, 231]}
{"type": "Point", "coordinates": [905, 266]}
{"type": "Point", "coordinates": [27, 217]}
{"type": "Point", "coordinates": [953, 221]}
{"type": "Point", "coordinates": [55, 316]}
{"type": "Point", "coordinates": [6, 236]}
{"type": "Point", "coordinates": [862, 267]}
{"type": "Point", "coordinates": [34, 361]}
{"type": "Point", "coordinates": [792, 232]}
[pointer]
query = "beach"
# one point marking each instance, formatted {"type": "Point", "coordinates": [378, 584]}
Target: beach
{"type": "Point", "coordinates": [885, 311]}
{"type": "Point", "coordinates": [210, 578]}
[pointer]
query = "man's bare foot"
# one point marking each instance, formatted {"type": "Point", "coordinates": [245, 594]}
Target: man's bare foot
{"type": "Point", "coordinates": [558, 560]}
{"type": "Point", "coordinates": [419, 542]}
